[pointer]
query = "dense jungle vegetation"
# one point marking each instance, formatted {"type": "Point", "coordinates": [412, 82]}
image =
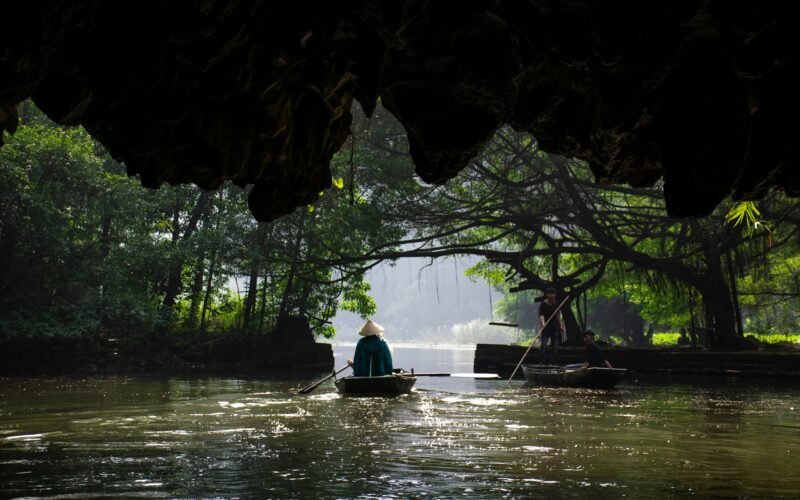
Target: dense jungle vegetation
{"type": "Point", "coordinates": [86, 251]}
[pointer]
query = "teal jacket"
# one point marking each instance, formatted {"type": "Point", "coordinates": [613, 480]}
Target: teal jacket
{"type": "Point", "coordinates": [372, 357]}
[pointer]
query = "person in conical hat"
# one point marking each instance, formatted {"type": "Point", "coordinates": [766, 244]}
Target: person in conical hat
{"type": "Point", "coordinates": [373, 357]}
{"type": "Point", "coordinates": [371, 328]}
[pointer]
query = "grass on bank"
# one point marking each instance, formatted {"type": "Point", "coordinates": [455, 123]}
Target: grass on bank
{"type": "Point", "coordinates": [671, 338]}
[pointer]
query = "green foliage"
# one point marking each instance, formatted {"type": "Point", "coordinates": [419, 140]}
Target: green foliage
{"type": "Point", "coordinates": [87, 251]}
{"type": "Point", "coordinates": [776, 338]}
{"type": "Point", "coordinates": [671, 338]}
{"type": "Point", "coordinates": [667, 338]}
{"type": "Point", "coordinates": [356, 299]}
{"type": "Point", "coordinates": [489, 272]}
{"type": "Point", "coordinates": [744, 212]}
{"type": "Point", "coordinates": [326, 331]}
{"type": "Point", "coordinates": [747, 213]}
{"type": "Point", "coordinates": [60, 275]}
{"type": "Point", "coordinates": [538, 219]}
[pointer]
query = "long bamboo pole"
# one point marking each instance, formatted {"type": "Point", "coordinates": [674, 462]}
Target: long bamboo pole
{"type": "Point", "coordinates": [536, 337]}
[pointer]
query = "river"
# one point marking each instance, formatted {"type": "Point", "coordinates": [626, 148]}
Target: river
{"type": "Point", "coordinates": [227, 438]}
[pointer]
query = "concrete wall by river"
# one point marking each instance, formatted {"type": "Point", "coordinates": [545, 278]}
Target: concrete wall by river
{"type": "Point", "coordinates": [502, 359]}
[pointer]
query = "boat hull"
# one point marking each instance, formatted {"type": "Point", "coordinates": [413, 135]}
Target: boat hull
{"type": "Point", "coordinates": [387, 385]}
{"type": "Point", "coordinates": [556, 376]}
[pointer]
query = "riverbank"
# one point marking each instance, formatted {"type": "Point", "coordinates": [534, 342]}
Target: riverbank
{"type": "Point", "coordinates": [173, 355]}
{"type": "Point", "coordinates": [785, 364]}
{"type": "Point", "coordinates": [240, 355]}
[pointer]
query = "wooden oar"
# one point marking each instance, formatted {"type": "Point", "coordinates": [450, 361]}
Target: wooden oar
{"type": "Point", "coordinates": [316, 384]}
{"type": "Point", "coordinates": [536, 337]}
{"type": "Point", "coordinates": [488, 376]}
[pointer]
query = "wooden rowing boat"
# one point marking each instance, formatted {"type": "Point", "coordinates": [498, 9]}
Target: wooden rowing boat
{"type": "Point", "coordinates": [559, 376]}
{"type": "Point", "coordinates": [387, 385]}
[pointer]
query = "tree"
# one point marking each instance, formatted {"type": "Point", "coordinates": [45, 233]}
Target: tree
{"type": "Point", "coordinates": [541, 220]}
{"type": "Point", "coordinates": [86, 250]}
{"type": "Point", "coordinates": [73, 247]}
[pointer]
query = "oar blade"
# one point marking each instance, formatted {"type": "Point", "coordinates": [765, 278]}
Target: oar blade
{"type": "Point", "coordinates": [310, 388]}
{"type": "Point", "coordinates": [482, 376]}
{"type": "Point", "coordinates": [306, 390]}
{"type": "Point", "coordinates": [488, 376]}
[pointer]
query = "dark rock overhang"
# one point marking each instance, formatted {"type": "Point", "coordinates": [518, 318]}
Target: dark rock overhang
{"type": "Point", "coordinates": [700, 93]}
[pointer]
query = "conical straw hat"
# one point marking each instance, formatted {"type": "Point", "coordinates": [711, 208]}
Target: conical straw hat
{"type": "Point", "coordinates": [370, 328]}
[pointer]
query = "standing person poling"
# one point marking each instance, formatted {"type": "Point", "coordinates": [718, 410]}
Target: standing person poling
{"type": "Point", "coordinates": [594, 356]}
{"type": "Point", "coordinates": [554, 328]}
{"type": "Point", "coordinates": [372, 358]}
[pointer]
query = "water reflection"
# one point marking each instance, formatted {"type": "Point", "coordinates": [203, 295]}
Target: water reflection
{"type": "Point", "coordinates": [483, 439]}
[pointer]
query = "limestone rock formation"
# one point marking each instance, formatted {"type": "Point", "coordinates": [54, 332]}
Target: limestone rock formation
{"type": "Point", "coordinates": [699, 93]}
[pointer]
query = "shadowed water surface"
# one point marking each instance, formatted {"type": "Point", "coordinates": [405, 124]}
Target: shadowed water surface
{"type": "Point", "coordinates": [451, 438]}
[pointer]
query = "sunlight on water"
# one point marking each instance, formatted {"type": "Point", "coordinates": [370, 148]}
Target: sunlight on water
{"type": "Point", "coordinates": [450, 438]}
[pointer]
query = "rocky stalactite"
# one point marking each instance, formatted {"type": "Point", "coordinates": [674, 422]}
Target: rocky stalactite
{"type": "Point", "coordinates": [699, 93]}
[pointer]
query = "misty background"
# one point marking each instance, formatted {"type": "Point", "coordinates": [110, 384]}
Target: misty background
{"type": "Point", "coordinates": [421, 301]}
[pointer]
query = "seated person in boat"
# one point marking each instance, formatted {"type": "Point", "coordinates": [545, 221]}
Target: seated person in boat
{"type": "Point", "coordinates": [551, 331]}
{"type": "Point", "coordinates": [372, 358]}
{"type": "Point", "coordinates": [594, 356]}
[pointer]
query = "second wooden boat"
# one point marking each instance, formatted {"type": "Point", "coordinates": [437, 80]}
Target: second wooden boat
{"type": "Point", "coordinates": [387, 385]}
{"type": "Point", "coordinates": [559, 376]}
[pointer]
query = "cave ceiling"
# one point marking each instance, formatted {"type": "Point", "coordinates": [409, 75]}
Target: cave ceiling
{"type": "Point", "coordinates": [701, 94]}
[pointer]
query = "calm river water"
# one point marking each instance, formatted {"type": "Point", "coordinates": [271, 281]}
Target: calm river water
{"type": "Point", "coordinates": [219, 437]}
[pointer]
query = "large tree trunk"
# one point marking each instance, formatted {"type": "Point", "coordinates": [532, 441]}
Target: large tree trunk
{"type": "Point", "coordinates": [720, 308]}
{"type": "Point", "coordinates": [302, 304]}
{"type": "Point", "coordinates": [252, 292]}
{"type": "Point", "coordinates": [209, 285]}
{"type": "Point", "coordinates": [263, 314]}
{"type": "Point", "coordinates": [574, 332]}
{"type": "Point", "coordinates": [105, 251]}
{"type": "Point", "coordinates": [105, 236]}
{"type": "Point", "coordinates": [285, 307]}
{"type": "Point", "coordinates": [692, 325]}
{"type": "Point", "coordinates": [197, 290]}
{"type": "Point", "coordinates": [580, 311]}
{"type": "Point", "coordinates": [634, 329]}
{"type": "Point", "coordinates": [173, 286]}
{"type": "Point", "coordinates": [734, 293]}
{"type": "Point", "coordinates": [173, 283]}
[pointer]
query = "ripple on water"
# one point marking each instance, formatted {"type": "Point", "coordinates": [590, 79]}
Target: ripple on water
{"type": "Point", "coordinates": [170, 432]}
{"type": "Point", "coordinates": [325, 396]}
{"type": "Point", "coordinates": [537, 449]}
{"type": "Point", "coordinates": [187, 439]}
{"type": "Point", "coordinates": [480, 401]}
{"type": "Point", "coordinates": [25, 437]}
{"type": "Point", "coordinates": [539, 481]}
